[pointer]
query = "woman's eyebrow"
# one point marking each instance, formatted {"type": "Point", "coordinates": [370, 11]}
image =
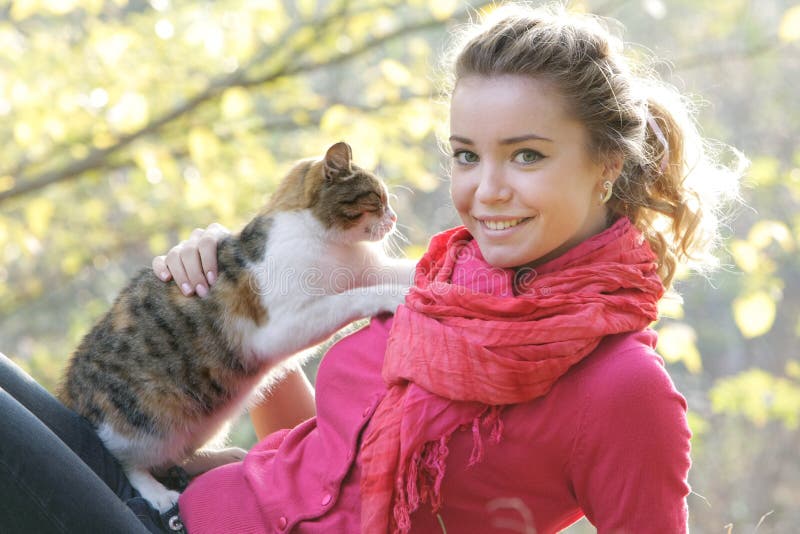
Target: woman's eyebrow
{"type": "Point", "coordinates": [462, 140]}
{"type": "Point", "coordinates": [523, 138]}
{"type": "Point", "coordinates": [507, 141]}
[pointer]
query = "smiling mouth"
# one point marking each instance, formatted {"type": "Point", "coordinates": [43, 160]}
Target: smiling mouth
{"type": "Point", "coordinates": [503, 225]}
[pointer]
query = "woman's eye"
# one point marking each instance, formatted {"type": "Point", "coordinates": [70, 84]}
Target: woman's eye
{"type": "Point", "coordinates": [465, 157]}
{"type": "Point", "coordinates": [527, 156]}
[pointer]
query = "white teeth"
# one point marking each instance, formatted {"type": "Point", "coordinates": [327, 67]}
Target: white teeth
{"type": "Point", "coordinates": [501, 225]}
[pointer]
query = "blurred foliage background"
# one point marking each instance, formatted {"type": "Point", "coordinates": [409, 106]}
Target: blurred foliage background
{"type": "Point", "coordinates": [126, 123]}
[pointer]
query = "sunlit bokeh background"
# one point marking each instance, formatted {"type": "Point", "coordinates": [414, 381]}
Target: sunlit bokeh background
{"type": "Point", "coordinates": [127, 123]}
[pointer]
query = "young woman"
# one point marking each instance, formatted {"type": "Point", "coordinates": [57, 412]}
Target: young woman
{"type": "Point", "coordinates": [517, 389]}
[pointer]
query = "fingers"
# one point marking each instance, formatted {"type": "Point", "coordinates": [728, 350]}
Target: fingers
{"type": "Point", "coordinates": [175, 265]}
{"type": "Point", "coordinates": [193, 267]}
{"type": "Point", "coordinates": [160, 268]}
{"type": "Point", "coordinates": [205, 460]}
{"type": "Point", "coordinates": [207, 247]}
{"type": "Point", "coordinates": [192, 264]}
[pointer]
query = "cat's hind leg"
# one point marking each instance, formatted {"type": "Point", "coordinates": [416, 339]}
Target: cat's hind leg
{"type": "Point", "coordinates": [137, 455]}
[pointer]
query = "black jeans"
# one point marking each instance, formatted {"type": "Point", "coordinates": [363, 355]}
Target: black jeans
{"type": "Point", "coordinates": [55, 474]}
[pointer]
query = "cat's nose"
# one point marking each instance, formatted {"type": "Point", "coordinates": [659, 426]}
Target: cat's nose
{"type": "Point", "coordinates": [392, 215]}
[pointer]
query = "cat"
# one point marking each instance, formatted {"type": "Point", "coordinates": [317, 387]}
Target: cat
{"type": "Point", "coordinates": [161, 373]}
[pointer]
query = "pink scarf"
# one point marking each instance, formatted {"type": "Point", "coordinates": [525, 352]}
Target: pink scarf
{"type": "Point", "coordinates": [464, 344]}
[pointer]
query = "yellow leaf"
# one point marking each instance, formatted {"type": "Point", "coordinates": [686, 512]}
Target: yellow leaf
{"type": "Point", "coordinates": [55, 128]}
{"type": "Point", "coordinates": [335, 118]}
{"type": "Point", "coordinates": [94, 210]}
{"type": "Point", "coordinates": [764, 170]}
{"type": "Point", "coordinates": [101, 137]}
{"type": "Point", "coordinates": [443, 9]}
{"type": "Point", "coordinates": [306, 7]}
{"type": "Point", "coordinates": [676, 343]}
{"type": "Point", "coordinates": [765, 232]}
{"type": "Point", "coordinates": [697, 424]}
{"type": "Point", "coordinates": [579, 7]}
{"type": "Point", "coordinates": [236, 103]}
{"type": "Point", "coordinates": [6, 183]}
{"type": "Point", "coordinates": [415, 252]}
{"type": "Point", "coordinates": [301, 117]}
{"type": "Point", "coordinates": [793, 368]}
{"type": "Point", "coordinates": [112, 45]}
{"type": "Point", "coordinates": [759, 396]}
{"type": "Point", "coordinates": [71, 263]}
{"type": "Point", "coordinates": [789, 29]}
{"type": "Point", "coordinates": [424, 181]}
{"type": "Point", "coordinates": [22, 9]}
{"type": "Point", "coordinates": [671, 306]}
{"type": "Point", "coordinates": [145, 156]}
{"type": "Point", "coordinates": [417, 120]}
{"type": "Point", "coordinates": [754, 313]}
{"type": "Point", "coordinates": [395, 72]}
{"type": "Point", "coordinates": [23, 133]}
{"type": "Point", "coordinates": [745, 255]}
{"type": "Point", "coordinates": [59, 7]}
{"type": "Point", "coordinates": [198, 195]}
{"type": "Point", "coordinates": [130, 113]}
{"type": "Point", "coordinates": [38, 214]}
{"type": "Point", "coordinates": [158, 243]}
{"type": "Point", "coordinates": [203, 144]}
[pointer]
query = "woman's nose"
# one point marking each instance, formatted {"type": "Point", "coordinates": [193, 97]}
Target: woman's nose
{"type": "Point", "coordinates": [492, 187]}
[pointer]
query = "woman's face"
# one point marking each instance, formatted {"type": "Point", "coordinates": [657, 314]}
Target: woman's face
{"type": "Point", "coordinates": [523, 180]}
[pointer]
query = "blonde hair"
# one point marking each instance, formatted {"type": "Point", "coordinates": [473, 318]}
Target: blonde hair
{"type": "Point", "coordinates": [671, 191]}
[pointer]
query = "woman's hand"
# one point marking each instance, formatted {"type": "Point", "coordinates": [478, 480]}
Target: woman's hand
{"type": "Point", "coordinates": [192, 263]}
{"type": "Point", "coordinates": [206, 460]}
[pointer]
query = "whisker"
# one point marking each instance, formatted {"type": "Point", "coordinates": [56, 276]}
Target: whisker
{"type": "Point", "coordinates": [391, 247]}
{"type": "Point", "coordinates": [402, 238]}
{"type": "Point", "coordinates": [400, 235]}
{"type": "Point", "coordinates": [401, 186]}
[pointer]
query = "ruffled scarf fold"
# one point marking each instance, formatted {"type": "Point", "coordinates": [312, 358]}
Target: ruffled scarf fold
{"type": "Point", "coordinates": [472, 338]}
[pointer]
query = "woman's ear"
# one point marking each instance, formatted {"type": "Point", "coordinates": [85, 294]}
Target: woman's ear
{"type": "Point", "coordinates": [612, 167]}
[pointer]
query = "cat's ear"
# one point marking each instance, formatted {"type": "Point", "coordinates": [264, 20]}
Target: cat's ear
{"type": "Point", "coordinates": [338, 161]}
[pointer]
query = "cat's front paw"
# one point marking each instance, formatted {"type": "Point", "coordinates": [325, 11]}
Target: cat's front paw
{"type": "Point", "coordinates": [386, 299]}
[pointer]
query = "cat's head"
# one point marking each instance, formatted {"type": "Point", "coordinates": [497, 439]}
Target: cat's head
{"type": "Point", "coordinates": [350, 202]}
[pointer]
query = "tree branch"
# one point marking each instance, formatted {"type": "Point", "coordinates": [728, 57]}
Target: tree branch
{"type": "Point", "coordinates": [98, 158]}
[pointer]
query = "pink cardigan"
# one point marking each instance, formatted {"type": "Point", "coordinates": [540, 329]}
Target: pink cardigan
{"type": "Point", "coordinates": [610, 441]}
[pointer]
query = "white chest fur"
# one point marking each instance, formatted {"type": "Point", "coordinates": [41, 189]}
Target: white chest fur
{"type": "Point", "coordinates": [312, 283]}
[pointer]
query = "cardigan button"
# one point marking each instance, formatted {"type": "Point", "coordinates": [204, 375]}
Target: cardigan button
{"type": "Point", "coordinates": [326, 499]}
{"type": "Point", "coordinates": [367, 410]}
{"type": "Point", "coordinates": [282, 522]}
